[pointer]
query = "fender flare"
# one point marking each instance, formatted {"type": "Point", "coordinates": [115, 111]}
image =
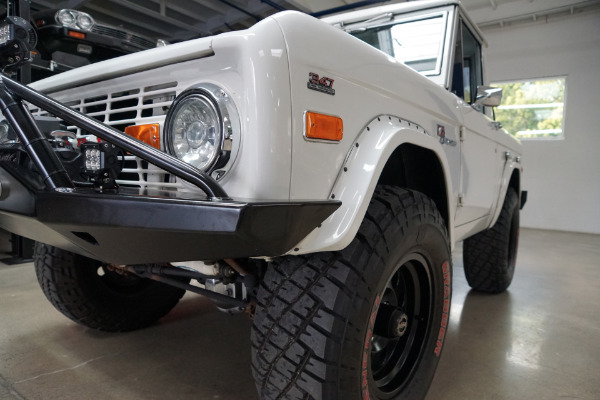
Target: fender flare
{"type": "Point", "coordinates": [359, 174]}
{"type": "Point", "coordinates": [511, 165]}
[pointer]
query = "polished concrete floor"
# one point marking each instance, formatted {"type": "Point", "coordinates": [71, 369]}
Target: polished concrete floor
{"type": "Point", "coordinates": [539, 340]}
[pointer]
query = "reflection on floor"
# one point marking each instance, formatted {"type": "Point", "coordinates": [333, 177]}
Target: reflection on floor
{"type": "Point", "coordinates": [536, 341]}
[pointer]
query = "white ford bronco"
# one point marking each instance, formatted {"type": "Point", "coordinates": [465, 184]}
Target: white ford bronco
{"type": "Point", "coordinates": [313, 174]}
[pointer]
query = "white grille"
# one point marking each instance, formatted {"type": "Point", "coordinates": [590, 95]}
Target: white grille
{"type": "Point", "coordinates": [121, 109]}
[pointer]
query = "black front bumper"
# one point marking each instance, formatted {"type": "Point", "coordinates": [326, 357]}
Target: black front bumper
{"type": "Point", "coordinates": [133, 228]}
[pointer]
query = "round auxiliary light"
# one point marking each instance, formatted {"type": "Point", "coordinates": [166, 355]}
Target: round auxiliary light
{"type": "Point", "coordinates": [84, 21]}
{"type": "Point", "coordinates": [66, 17]}
{"type": "Point", "coordinates": [4, 130]}
{"type": "Point", "coordinates": [193, 130]}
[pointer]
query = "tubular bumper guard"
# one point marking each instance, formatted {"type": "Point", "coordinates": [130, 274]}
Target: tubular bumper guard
{"type": "Point", "coordinates": [133, 227]}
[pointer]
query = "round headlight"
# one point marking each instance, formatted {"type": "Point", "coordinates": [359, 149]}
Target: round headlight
{"type": "Point", "coordinates": [84, 21]}
{"type": "Point", "coordinates": [203, 128]}
{"type": "Point", "coordinates": [66, 17]}
{"type": "Point", "coordinates": [194, 131]}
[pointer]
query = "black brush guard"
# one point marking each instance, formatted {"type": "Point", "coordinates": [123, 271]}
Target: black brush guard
{"type": "Point", "coordinates": [128, 227]}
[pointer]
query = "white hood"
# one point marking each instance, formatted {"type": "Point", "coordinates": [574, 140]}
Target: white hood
{"type": "Point", "coordinates": [128, 64]}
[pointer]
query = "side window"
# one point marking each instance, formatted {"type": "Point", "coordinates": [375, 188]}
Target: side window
{"type": "Point", "coordinates": [467, 73]}
{"type": "Point", "coordinates": [417, 42]}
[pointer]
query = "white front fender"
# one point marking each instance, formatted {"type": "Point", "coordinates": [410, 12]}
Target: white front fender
{"type": "Point", "coordinates": [356, 180]}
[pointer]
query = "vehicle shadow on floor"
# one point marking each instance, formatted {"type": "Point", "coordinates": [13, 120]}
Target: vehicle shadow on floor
{"type": "Point", "coordinates": [196, 352]}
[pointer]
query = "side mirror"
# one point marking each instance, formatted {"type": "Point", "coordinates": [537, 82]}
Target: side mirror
{"type": "Point", "coordinates": [488, 96]}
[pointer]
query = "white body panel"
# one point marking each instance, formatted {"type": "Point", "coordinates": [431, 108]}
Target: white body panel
{"type": "Point", "coordinates": [383, 104]}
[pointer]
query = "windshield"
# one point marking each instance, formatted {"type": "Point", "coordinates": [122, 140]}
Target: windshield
{"type": "Point", "coordinates": [416, 42]}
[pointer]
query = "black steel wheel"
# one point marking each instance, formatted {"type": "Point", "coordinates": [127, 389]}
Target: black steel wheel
{"type": "Point", "coordinates": [401, 327]}
{"type": "Point", "coordinates": [490, 256]}
{"type": "Point", "coordinates": [367, 322]}
{"type": "Point", "coordinates": [98, 296]}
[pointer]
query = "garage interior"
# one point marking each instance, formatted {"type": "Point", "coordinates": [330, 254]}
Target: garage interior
{"type": "Point", "coordinates": [537, 340]}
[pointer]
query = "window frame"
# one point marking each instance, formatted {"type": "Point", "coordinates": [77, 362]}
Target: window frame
{"type": "Point", "coordinates": [457, 83]}
{"type": "Point", "coordinates": [449, 13]}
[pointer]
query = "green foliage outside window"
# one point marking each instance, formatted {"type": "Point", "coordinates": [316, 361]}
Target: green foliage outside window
{"type": "Point", "coordinates": [533, 109]}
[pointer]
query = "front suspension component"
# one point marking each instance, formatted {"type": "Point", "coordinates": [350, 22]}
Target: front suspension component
{"type": "Point", "coordinates": [168, 275]}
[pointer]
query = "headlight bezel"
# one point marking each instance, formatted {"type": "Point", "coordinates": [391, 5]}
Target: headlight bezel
{"type": "Point", "coordinates": [86, 26]}
{"type": "Point", "coordinates": [228, 126]}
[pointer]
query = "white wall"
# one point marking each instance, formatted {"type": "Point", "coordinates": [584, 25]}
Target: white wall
{"type": "Point", "coordinates": [562, 177]}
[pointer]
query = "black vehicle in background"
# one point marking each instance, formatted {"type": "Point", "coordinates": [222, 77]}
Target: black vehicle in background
{"type": "Point", "coordinates": [69, 39]}
{"type": "Point", "coordinates": [66, 39]}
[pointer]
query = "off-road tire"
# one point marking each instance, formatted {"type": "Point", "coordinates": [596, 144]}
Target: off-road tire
{"type": "Point", "coordinates": [489, 257]}
{"type": "Point", "coordinates": [320, 317]}
{"type": "Point", "coordinates": [89, 293]}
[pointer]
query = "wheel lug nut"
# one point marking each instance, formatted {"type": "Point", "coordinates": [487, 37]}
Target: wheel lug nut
{"type": "Point", "coordinates": [400, 325]}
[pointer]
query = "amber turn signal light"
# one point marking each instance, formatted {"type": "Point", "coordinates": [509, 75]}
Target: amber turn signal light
{"type": "Point", "coordinates": [324, 127]}
{"type": "Point", "coordinates": [149, 133]}
{"type": "Point", "coordinates": [78, 35]}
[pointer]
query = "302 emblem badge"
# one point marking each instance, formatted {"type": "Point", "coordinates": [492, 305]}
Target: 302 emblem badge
{"type": "Point", "coordinates": [324, 84]}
